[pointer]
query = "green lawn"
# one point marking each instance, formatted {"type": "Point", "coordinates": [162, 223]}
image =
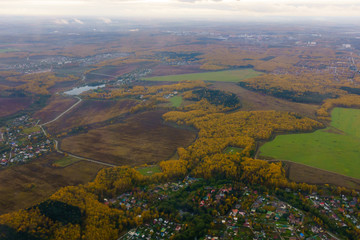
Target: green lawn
{"type": "Point", "coordinates": [6, 50]}
{"type": "Point", "coordinates": [66, 161]}
{"type": "Point", "coordinates": [31, 129]}
{"type": "Point", "coordinates": [334, 149]}
{"type": "Point", "coordinates": [220, 76]}
{"type": "Point", "coordinates": [233, 150]}
{"type": "Point", "coordinates": [150, 170]}
{"type": "Point", "coordinates": [176, 101]}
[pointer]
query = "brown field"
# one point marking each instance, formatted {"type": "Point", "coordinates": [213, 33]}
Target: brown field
{"type": "Point", "coordinates": [302, 173]}
{"type": "Point", "coordinates": [62, 86]}
{"type": "Point", "coordinates": [108, 71]}
{"type": "Point", "coordinates": [10, 106]}
{"type": "Point", "coordinates": [142, 139]}
{"type": "Point", "coordinates": [23, 186]}
{"type": "Point", "coordinates": [257, 101]}
{"type": "Point", "coordinates": [90, 111]}
{"type": "Point", "coordinates": [56, 106]}
{"type": "Point", "coordinates": [10, 84]}
{"type": "Point", "coordinates": [164, 70]}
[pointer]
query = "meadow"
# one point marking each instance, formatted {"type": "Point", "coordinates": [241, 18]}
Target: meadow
{"type": "Point", "coordinates": [176, 101]}
{"type": "Point", "coordinates": [334, 149]}
{"type": "Point", "coordinates": [219, 76]}
{"type": "Point", "coordinates": [142, 138]}
{"type": "Point", "coordinates": [22, 186]}
{"type": "Point", "coordinates": [150, 170]}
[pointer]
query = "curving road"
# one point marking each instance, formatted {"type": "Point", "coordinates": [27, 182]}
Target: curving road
{"type": "Point", "coordinates": [57, 143]}
{"type": "Point", "coordinates": [67, 110]}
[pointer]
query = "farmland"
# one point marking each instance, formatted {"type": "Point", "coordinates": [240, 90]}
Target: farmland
{"type": "Point", "coordinates": [10, 106]}
{"type": "Point", "coordinates": [55, 107]}
{"type": "Point", "coordinates": [143, 138]}
{"type": "Point", "coordinates": [91, 111]}
{"type": "Point", "coordinates": [334, 149]}
{"type": "Point", "coordinates": [25, 185]}
{"type": "Point", "coordinates": [256, 101]}
{"type": "Point", "coordinates": [219, 76]}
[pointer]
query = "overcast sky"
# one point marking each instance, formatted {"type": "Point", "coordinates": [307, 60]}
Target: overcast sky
{"type": "Point", "coordinates": [210, 9]}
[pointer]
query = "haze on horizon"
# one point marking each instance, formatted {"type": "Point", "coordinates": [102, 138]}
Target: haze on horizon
{"type": "Point", "coordinates": [189, 9]}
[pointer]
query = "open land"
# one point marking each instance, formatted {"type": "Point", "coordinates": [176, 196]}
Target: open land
{"type": "Point", "coordinates": [165, 70]}
{"type": "Point", "coordinates": [150, 170]}
{"type": "Point", "coordinates": [110, 72]}
{"type": "Point", "coordinates": [142, 139]}
{"type": "Point", "coordinates": [301, 173]}
{"type": "Point", "coordinates": [90, 111]}
{"type": "Point", "coordinates": [219, 76]}
{"type": "Point", "coordinates": [334, 149]}
{"type": "Point", "coordinates": [233, 150]}
{"type": "Point", "coordinates": [56, 106]}
{"type": "Point", "coordinates": [10, 106]}
{"type": "Point", "coordinates": [176, 101]}
{"type": "Point", "coordinates": [25, 185]}
{"type": "Point", "coordinates": [251, 101]}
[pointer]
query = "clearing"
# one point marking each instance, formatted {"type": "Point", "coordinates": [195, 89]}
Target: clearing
{"type": "Point", "coordinates": [219, 76]}
{"type": "Point", "coordinates": [89, 112]}
{"type": "Point", "coordinates": [150, 170]}
{"type": "Point", "coordinates": [10, 106]}
{"type": "Point", "coordinates": [233, 150]}
{"type": "Point", "coordinates": [143, 138]}
{"type": "Point", "coordinates": [23, 186]}
{"type": "Point", "coordinates": [328, 149]}
{"type": "Point", "coordinates": [251, 101]}
{"type": "Point", "coordinates": [176, 101]}
{"type": "Point", "coordinates": [55, 107]}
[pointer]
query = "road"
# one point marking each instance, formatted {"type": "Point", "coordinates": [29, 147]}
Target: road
{"type": "Point", "coordinates": [63, 113]}
{"type": "Point", "coordinates": [82, 158]}
{"type": "Point", "coordinates": [100, 74]}
{"type": "Point", "coordinates": [57, 143]}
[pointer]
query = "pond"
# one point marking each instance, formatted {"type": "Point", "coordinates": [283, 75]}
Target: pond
{"type": "Point", "coordinates": [79, 90]}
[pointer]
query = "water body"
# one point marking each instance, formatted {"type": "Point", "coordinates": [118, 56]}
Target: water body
{"type": "Point", "coordinates": [79, 90]}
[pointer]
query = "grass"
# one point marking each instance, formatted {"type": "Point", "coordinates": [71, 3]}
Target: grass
{"type": "Point", "coordinates": [150, 170]}
{"type": "Point", "coordinates": [220, 76]}
{"type": "Point", "coordinates": [233, 150]}
{"type": "Point", "coordinates": [22, 186]}
{"type": "Point", "coordinates": [334, 149]}
{"type": "Point", "coordinates": [142, 138]}
{"type": "Point", "coordinates": [31, 129]}
{"type": "Point", "coordinates": [65, 161]}
{"type": "Point", "coordinates": [176, 101]}
{"type": "Point", "coordinates": [6, 50]}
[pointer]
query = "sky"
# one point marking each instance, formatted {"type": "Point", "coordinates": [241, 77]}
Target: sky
{"type": "Point", "coordinates": [207, 9]}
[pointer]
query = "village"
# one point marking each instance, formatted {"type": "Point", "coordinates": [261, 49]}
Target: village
{"type": "Point", "coordinates": [22, 140]}
{"type": "Point", "coordinates": [238, 212]}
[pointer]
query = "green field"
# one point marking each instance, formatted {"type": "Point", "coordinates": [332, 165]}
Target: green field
{"type": "Point", "coordinates": [233, 150]}
{"type": "Point", "coordinates": [176, 101]}
{"type": "Point", "coordinates": [335, 148]}
{"type": "Point", "coordinates": [66, 161]}
{"type": "Point", "coordinates": [150, 170]}
{"type": "Point", "coordinates": [31, 129]}
{"type": "Point", "coordinates": [220, 76]}
{"type": "Point", "coordinates": [6, 50]}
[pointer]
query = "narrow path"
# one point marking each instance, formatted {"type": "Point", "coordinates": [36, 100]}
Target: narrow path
{"type": "Point", "coordinates": [80, 100]}
{"type": "Point", "coordinates": [57, 143]}
{"type": "Point", "coordinates": [100, 74]}
{"type": "Point", "coordinates": [82, 158]}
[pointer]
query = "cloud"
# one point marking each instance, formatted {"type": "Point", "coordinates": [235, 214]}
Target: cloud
{"type": "Point", "coordinates": [61, 21]}
{"type": "Point", "coordinates": [78, 21]}
{"type": "Point", "coordinates": [193, 1]}
{"type": "Point", "coordinates": [106, 20]}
